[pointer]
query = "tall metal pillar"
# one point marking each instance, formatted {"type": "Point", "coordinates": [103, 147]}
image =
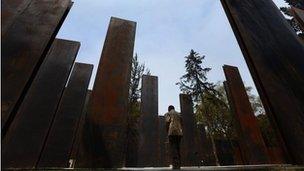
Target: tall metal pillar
{"type": "Point", "coordinates": [29, 28]}
{"type": "Point", "coordinates": [205, 147]}
{"type": "Point", "coordinates": [189, 147]}
{"type": "Point", "coordinates": [252, 144]}
{"type": "Point", "coordinates": [274, 55]}
{"type": "Point", "coordinates": [163, 143]}
{"type": "Point", "coordinates": [25, 139]}
{"type": "Point", "coordinates": [77, 151]}
{"type": "Point", "coordinates": [148, 153]}
{"type": "Point", "coordinates": [59, 143]}
{"type": "Point", "coordinates": [106, 122]}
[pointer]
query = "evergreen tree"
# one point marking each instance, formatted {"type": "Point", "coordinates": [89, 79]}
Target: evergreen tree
{"type": "Point", "coordinates": [136, 74]}
{"type": "Point", "coordinates": [195, 83]}
{"type": "Point", "coordinates": [137, 71]}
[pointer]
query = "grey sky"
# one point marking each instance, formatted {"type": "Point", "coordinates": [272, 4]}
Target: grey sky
{"type": "Point", "coordinates": [166, 31]}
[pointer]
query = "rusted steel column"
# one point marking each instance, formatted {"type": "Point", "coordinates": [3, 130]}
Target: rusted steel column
{"type": "Point", "coordinates": [106, 121]}
{"type": "Point", "coordinates": [163, 143]}
{"type": "Point", "coordinates": [224, 151]}
{"type": "Point", "coordinates": [205, 147]}
{"type": "Point", "coordinates": [29, 28]}
{"type": "Point", "coordinates": [238, 151]}
{"type": "Point", "coordinates": [251, 141]}
{"type": "Point", "coordinates": [189, 146]}
{"type": "Point", "coordinates": [276, 65]}
{"type": "Point", "coordinates": [77, 150]}
{"type": "Point", "coordinates": [132, 141]}
{"type": "Point", "coordinates": [26, 137]}
{"type": "Point", "coordinates": [299, 16]}
{"type": "Point", "coordinates": [9, 11]}
{"type": "Point", "coordinates": [276, 155]}
{"type": "Point", "coordinates": [58, 147]}
{"type": "Point", "coordinates": [148, 130]}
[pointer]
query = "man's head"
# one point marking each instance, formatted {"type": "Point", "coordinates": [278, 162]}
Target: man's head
{"type": "Point", "coordinates": [170, 108]}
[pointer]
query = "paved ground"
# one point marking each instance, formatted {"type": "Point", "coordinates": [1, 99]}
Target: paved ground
{"type": "Point", "coordinates": [236, 167]}
{"type": "Point", "coordinates": [211, 168]}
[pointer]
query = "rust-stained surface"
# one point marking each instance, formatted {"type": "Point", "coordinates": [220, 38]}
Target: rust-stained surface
{"type": "Point", "coordinates": [237, 154]}
{"type": "Point", "coordinates": [58, 147]}
{"type": "Point", "coordinates": [105, 127]}
{"type": "Point", "coordinates": [205, 147]}
{"type": "Point", "coordinates": [29, 28]}
{"type": "Point", "coordinates": [238, 158]}
{"type": "Point", "coordinates": [148, 152]}
{"type": "Point", "coordinates": [189, 145]}
{"type": "Point", "coordinates": [77, 151]}
{"type": "Point", "coordinates": [224, 150]}
{"type": "Point", "coordinates": [276, 155]}
{"type": "Point", "coordinates": [163, 143]}
{"type": "Point", "coordinates": [132, 141]}
{"type": "Point", "coordinates": [274, 55]}
{"type": "Point", "coordinates": [10, 9]}
{"type": "Point", "coordinates": [25, 139]}
{"type": "Point", "coordinates": [251, 141]}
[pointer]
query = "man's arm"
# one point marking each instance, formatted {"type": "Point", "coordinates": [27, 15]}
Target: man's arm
{"type": "Point", "coordinates": [167, 119]}
{"type": "Point", "coordinates": [181, 119]}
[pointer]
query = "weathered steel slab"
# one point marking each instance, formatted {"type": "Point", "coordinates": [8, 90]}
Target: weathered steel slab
{"type": "Point", "coordinates": [251, 141]}
{"type": "Point", "coordinates": [58, 146]}
{"type": "Point", "coordinates": [238, 158]}
{"type": "Point", "coordinates": [205, 147]}
{"type": "Point", "coordinates": [237, 154]}
{"type": "Point", "coordinates": [274, 55]}
{"type": "Point", "coordinates": [276, 155]}
{"type": "Point", "coordinates": [108, 110]}
{"type": "Point", "coordinates": [10, 9]}
{"type": "Point", "coordinates": [29, 29]}
{"type": "Point", "coordinates": [299, 16]}
{"type": "Point", "coordinates": [189, 145]}
{"type": "Point", "coordinates": [77, 150]}
{"type": "Point", "coordinates": [224, 151]}
{"type": "Point", "coordinates": [148, 152]}
{"type": "Point", "coordinates": [163, 143]}
{"type": "Point", "coordinates": [25, 139]}
{"type": "Point", "coordinates": [132, 141]}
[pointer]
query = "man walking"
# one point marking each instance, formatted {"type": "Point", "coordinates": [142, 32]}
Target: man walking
{"type": "Point", "coordinates": [175, 133]}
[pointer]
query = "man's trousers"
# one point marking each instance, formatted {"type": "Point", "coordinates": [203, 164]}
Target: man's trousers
{"type": "Point", "coordinates": [174, 141]}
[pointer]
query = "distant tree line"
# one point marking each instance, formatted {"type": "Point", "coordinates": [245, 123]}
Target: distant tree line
{"type": "Point", "coordinates": [211, 103]}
